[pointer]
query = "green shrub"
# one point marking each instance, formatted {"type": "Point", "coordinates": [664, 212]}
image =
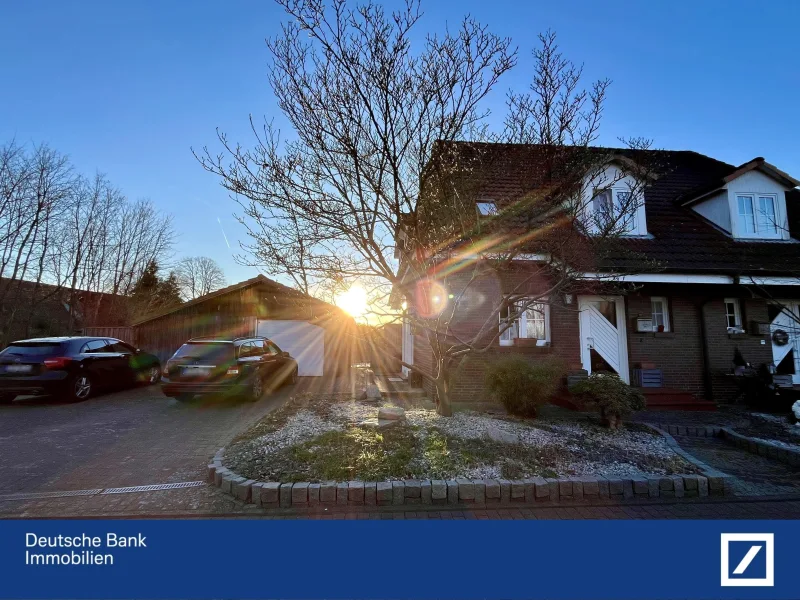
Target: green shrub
{"type": "Point", "coordinates": [615, 398]}
{"type": "Point", "coordinates": [523, 386]}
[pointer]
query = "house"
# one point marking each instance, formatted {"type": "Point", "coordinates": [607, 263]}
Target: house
{"type": "Point", "coordinates": [707, 262]}
{"type": "Point", "coordinates": [319, 335]}
{"type": "Point", "coordinates": [36, 309]}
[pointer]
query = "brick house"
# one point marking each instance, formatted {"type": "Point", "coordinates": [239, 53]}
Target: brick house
{"type": "Point", "coordinates": [717, 271]}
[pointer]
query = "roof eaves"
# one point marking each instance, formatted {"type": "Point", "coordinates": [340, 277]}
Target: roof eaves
{"type": "Point", "coordinates": [220, 292]}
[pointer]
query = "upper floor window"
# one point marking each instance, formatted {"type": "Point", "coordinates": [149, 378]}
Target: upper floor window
{"type": "Point", "coordinates": [757, 216]}
{"type": "Point", "coordinates": [618, 209]}
{"type": "Point", "coordinates": [532, 321]}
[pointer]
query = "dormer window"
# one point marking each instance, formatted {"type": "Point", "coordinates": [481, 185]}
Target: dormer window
{"type": "Point", "coordinates": [486, 208]}
{"type": "Point", "coordinates": [616, 207]}
{"type": "Point", "coordinates": [757, 216]}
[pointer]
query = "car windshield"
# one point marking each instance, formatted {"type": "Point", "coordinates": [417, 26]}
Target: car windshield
{"type": "Point", "coordinates": [32, 349]}
{"type": "Point", "coordinates": [213, 353]}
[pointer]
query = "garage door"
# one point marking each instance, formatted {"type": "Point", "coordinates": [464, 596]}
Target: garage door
{"type": "Point", "coordinates": [304, 341]}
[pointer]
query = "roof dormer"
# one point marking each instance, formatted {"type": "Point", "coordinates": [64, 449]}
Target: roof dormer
{"type": "Point", "coordinates": [613, 198]}
{"type": "Point", "coordinates": [748, 204]}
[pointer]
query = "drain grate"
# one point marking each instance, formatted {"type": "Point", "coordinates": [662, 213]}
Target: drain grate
{"type": "Point", "coordinates": [44, 495]}
{"type": "Point", "coordinates": [121, 490]}
{"type": "Point", "coordinates": [154, 488]}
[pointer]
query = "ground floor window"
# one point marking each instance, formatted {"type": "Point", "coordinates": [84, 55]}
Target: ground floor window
{"type": "Point", "coordinates": [530, 320]}
{"type": "Point", "coordinates": [660, 313]}
{"type": "Point", "coordinates": [733, 315]}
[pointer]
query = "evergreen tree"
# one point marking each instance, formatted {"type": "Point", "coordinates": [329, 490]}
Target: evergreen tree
{"type": "Point", "coordinates": [152, 293]}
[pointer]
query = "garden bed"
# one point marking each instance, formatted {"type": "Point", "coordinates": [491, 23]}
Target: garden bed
{"type": "Point", "coordinates": [319, 438]}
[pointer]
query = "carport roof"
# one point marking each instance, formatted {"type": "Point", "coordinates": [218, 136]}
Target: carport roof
{"type": "Point", "coordinates": [259, 279]}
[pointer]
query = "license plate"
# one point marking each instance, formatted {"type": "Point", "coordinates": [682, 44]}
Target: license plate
{"type": "Point", "coordinates": [18, 369]}
{"type": "Point", "coordinates": [196, 372]}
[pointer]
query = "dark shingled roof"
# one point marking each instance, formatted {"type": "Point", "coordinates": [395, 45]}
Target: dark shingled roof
{"type": "Point", "coordinates": [680, 239]}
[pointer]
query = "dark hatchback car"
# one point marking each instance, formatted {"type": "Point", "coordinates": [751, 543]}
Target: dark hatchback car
{"type": "Point", "coordinates": [244, 367]}
{"type": "Point", "coordinates": [72, 367]}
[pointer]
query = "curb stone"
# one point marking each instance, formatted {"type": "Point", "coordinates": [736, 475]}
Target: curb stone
{"type": "Point", "coordinates": [789, 456]}
{"type": "Point", "coordinates": [476, 493]}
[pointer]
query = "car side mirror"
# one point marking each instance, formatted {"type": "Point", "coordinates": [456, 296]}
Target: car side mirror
{"type": "Point", "coordinates": [285, 354]}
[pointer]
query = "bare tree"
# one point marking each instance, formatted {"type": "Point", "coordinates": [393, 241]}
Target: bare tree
{"type": "Point", "coordinates": [62, 234]}
{"type": "Point", "coordinates": [198, 276]}
{"type": "Point", "coordinates": [371, 188]}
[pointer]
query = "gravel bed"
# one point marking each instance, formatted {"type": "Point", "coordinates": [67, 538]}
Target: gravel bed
{"type": "Point", "coordinates": [495, 444]}
{"type": "Point", "coordinates": [299, 428]}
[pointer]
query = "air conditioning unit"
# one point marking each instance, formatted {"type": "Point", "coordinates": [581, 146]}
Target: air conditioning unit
{"type": "Point", "coordinates": [759, 328]}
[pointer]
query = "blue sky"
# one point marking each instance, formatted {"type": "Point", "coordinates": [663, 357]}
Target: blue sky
{"type": "Point", "coordinates": [126, 88]}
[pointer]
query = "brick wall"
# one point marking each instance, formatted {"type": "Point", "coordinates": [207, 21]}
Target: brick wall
{"type": "Point", "coordinates": [480, 304]}
{"type": "Point", "coordinates": [679, 352]}
{"type": "Point", "coordinates": [722, 345]}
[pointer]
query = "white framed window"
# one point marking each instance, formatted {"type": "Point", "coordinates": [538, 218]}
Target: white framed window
{"type": "Point", "coordinates": [757, 216]}
{"type": "Point", "coordinates": [531, 323]}
{"type": "Point", "coordinates": [486, 208]}
{"type": "Point", "coordinates": [660, 313]}
{"type": "Point", "coordinates": [617, 205]}
{"type": "Point", "coordinates": [733, 315]}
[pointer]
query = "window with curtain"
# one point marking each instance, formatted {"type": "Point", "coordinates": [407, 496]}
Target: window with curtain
{"type": "Point", "coordinates": [531, 323]}
{"type": "Point", "coordinates": [660, 314]}
{"type": "Point", "coordinates": [733, 314]}
{"type": "Point", "coordinates": [618, 206]}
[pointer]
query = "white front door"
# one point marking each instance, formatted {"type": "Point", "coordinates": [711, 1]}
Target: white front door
{"type": "Point", "coordinates": [788, 322]}
{"type": "Point", "coordinates": [304, 341]}
{"type": "Point", "coordinates": [602, 329]}
{"type": "Point", "coordinates": [408, 347]}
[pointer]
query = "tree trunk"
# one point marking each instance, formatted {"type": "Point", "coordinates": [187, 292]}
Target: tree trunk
{"type": "Point", "coordinates": [443, 405]}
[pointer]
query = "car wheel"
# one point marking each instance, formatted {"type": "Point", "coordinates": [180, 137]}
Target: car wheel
{"type": "Point", "coordinates": [256, 388]}
{"type": "Point", "coordinates": [153, 375]}
{"type": "Point", "coordinates": [79, 388]}
{"type": "Point", "coordinates": [293, 377]}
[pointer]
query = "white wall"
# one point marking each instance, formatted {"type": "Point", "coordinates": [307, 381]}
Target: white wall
{"type": "Point", "coordinates": [716, 209]}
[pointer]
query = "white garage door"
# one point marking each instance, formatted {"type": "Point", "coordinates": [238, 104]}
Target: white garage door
{"type": "Point", "coordinates": [304, 341]}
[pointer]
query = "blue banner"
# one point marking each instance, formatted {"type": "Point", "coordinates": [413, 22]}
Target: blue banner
{"type": "Point", "coordinates": [400, 559]}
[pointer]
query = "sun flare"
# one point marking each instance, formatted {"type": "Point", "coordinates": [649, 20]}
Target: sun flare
{"type": "Point", "coordinates": [354, 301]}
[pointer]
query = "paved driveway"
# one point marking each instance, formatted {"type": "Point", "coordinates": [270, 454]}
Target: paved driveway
{"type": "Point", "coordinates": [128, 438]}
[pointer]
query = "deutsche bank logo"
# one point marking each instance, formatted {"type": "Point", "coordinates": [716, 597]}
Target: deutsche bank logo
{"type": "Point", "coordinates": [748, 559]}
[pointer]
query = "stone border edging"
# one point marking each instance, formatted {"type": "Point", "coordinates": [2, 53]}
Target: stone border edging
{"type": "Point", "coordinates": [790, 456]}
{"type": "Point", "coordinates": [475, 493]}
{"type": "Point", "coordinates": [687, 430]}
{"type": "Point", "coordinates": [715, 477]}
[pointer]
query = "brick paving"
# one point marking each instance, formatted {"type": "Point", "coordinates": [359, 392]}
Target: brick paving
{"type": "Point", "coordinates": [127, 438]}
{"type": "Point", "coordinates": [754, 475]}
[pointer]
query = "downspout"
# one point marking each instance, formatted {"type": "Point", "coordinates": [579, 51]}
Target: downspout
{"type": "Point", "coordinates": [707, 383]}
